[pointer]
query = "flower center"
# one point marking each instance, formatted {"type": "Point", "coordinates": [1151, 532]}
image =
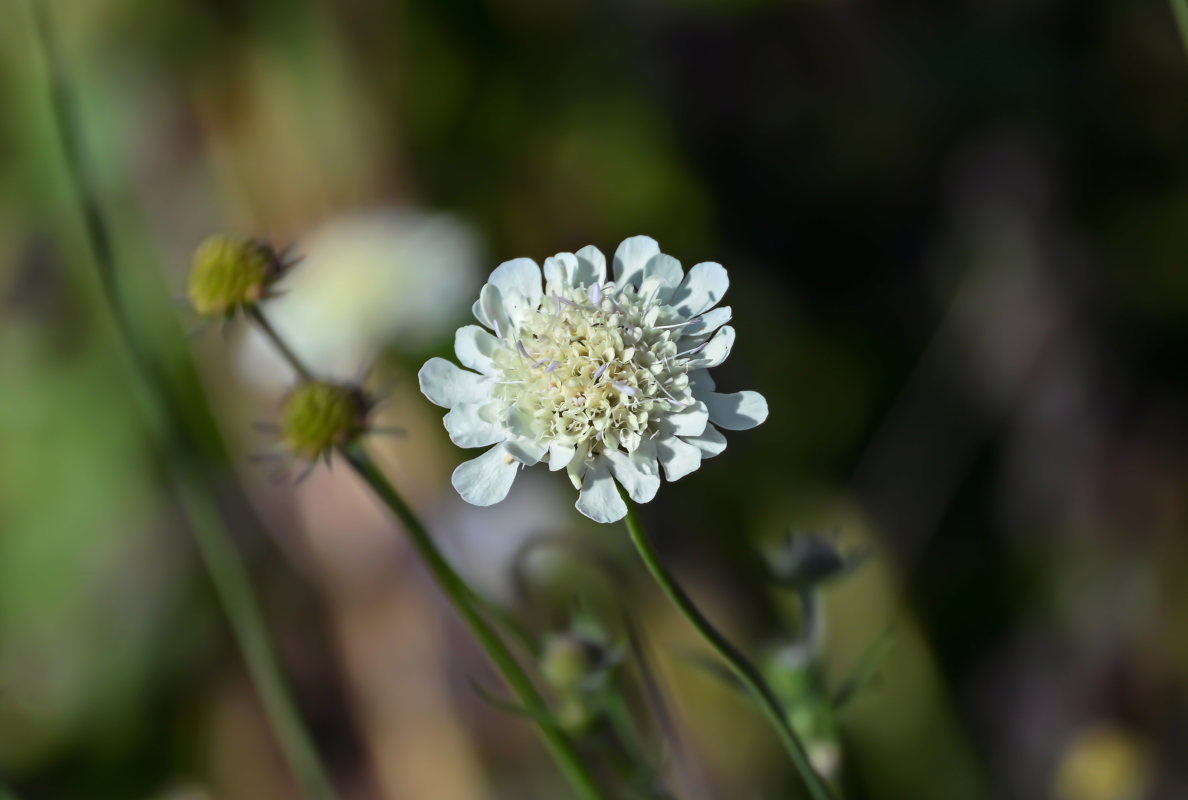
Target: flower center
{"type": "Point", "coordinates": [595, 367]}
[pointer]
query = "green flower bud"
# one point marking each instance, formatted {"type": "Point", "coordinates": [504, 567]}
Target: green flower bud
{"type": "Point", "coordinates": [227, 275]}
{"type": "Point", "coordinates": [808, 560]}
{"type": "Point", "coordinates": [575, 714]}
{"type": "Point", "coordinates": [568, 661]}
{"type": "Point", "coordinates": [318, 416]}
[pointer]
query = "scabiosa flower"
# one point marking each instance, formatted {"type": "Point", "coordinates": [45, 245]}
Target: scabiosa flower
{"type": "Point", "coordinates": [599, 378]}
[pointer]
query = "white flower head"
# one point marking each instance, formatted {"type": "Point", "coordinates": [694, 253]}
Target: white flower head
{"type": "Point", "coordinates": [599, 378]}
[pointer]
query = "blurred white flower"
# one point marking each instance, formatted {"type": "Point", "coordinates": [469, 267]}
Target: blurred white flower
{"type": "Point", "coordinates": [366, 280]}
{"type": "Point", "coordinates": [599, 378]}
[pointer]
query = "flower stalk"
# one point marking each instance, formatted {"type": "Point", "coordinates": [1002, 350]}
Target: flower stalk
{"type": "Point", "coordinates": [739, 665]}
{"type": "Point", "coordinates": [183, 450]}
{"type": "Point", "coordinates": [464, 600]}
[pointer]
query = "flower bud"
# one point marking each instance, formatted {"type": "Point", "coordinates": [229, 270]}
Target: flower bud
{"type": "Point", "coordinates": [569, 660]}
{"type": "Point", "coordinates": [317, 417]}
{"type": "Point", "coordinates": [228, 274]}
{"type": "Point", "coordinates": [808, 559]}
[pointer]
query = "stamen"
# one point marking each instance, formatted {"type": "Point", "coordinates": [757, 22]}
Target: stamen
{"type": "Point", "coordinates": [495, 322]}
{"type": "Point", "coordinates": [553, 367]}
{"type": "Point", "coordinates": [630, 391]}
{"type": "Point", "coordinates": [523, 350]}
{"type": "Point", "coordinates": [596, 294]}
{"type": "Point", "coordinates": [598, 373]}
{"type": "Point", "coordinates": [696, 349]}
{"type": "Point", "coordinates": [670, 397]}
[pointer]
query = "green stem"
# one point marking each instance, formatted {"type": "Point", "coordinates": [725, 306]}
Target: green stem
{"type": "Point", "coordinates": [233, 587]}
{"type": "Point", "coordinates": [257, 317]}
{"type": "Point", "coordinates": [465, 603]}
{"type": "Point", "coordinates": [1180, 11]}
{"type": "Point", "coordinates": [743, 669]}
{"type": "Point", "coordinates": [180, 450]}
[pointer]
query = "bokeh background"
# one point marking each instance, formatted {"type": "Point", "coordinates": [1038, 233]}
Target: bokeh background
{"type": "Point", "coordinates": [958, 239]}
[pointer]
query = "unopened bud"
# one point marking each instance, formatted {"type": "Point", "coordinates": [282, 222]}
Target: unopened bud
{"type": "Point", "coordinates": [318, 417]}
{"type": "Point", "coordinates": [227, 275]}
{"type": "Point", "coordinates": [568, 661]}
{"type": "Point", "coordinates": [808, 559]}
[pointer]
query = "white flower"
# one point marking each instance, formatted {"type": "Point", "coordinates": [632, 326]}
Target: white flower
{"type": "Point", "coordinates": [598, 378]}
{"type": "Point", "coordinates": [366, 279]}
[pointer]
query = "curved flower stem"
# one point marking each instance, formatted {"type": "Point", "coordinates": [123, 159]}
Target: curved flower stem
{"type": "Point", "coordinates": [742, 669]}
{"type": "Point", "coordinates": [254, 313]}
{"type": "Point", "coordinates": [465, 601]}
{"type": "Point", "coordinates": [466, 604]}
{"type": "Point", "coordinates": [184, 453]}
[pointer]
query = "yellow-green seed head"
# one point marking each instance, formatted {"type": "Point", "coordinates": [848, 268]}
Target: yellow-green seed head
{"type": "Point", "coordinates": [567, 661]}
{"type": "Point", "coordinates": [228, 274]}
{"type": "Point", "coordinates": [317, 417]}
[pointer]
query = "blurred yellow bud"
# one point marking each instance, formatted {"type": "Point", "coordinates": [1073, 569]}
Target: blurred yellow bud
{"type": "Point", "coordinates": [317, 417]}
{"type": "Point", "coordinates": [1103, 762]}
{"type": "Point", "coordinates": [228, 274]}
{"type": "Point", "coordinates": [567, 661]}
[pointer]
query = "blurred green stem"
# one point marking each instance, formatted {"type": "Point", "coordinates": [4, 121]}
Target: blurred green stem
{"type": "Point", "coordinates": [465, 601]}
{"type": "Point", "coordinates": [234, 589]}
{"type": "Point", "coordinates": [182, 455]}
{"type": "Point", "coordinates": [1180, 11]}
{"type": "Point", "coordinates": [742, 668]}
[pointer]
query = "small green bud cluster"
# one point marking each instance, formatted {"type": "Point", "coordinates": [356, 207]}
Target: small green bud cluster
{"type": "Point", "coordinates": [319, 416]}
{"type": "Point", "coordinates": [806, 560]}
{"type": "Point", "coordinates": [578, 666]}
{"type": "Point", "coordinates": [804, 563]}
{"type": "Point", "coordinates": [228, 275]}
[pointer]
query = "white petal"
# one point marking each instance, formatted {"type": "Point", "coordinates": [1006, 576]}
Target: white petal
{"type": "Point", "coordinates": [689, 421]}
{"type": "Point", "coordinates": [518, 278]}
{"type": "Point", "coordinates": [638, 472]}
{"type": "Point", "coordinates": [446, 384]}
{"type": "Point", "coordinates": [559, 456]}
{"type": "Point", "coordinates": [486, 480]}
{"type": "Point", "coordinates": [715, 351]}
{"type": "Point", "coordinates": [739, 411]}
{"type": "Point", "coordinates": [476, 348]}
{"type": "Point", "coordinates": [526, 451]}
{"type": "Point", "coordinates": [599, 499]}
{"type": "Point", "coordinates": [471, 425]}
{"type": "Point", "coordinates": [591, 267]}
{"type": "Point", "coordinates": [631, 257]}
{"type": "Point", "coordinates": [664, 268]}
{"type": "Point", "coordinates": [701, 381]}
{"type": "Point", "coordinates": [678, 457]}
{"type": "Point", "coordinates": [703, 288]}
{"type": "Point", "coordinates": [492, 312]}
{"type": "Point", "coordinates": [710, 443]}
{"type": "Point", "coordinates": [559, 271]}
{"type": "Point", "coordinates": [709, 321]}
